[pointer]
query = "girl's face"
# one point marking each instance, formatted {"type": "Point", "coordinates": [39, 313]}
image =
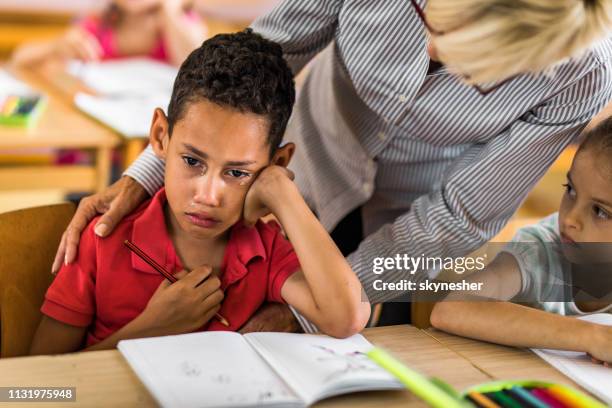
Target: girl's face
{"type": "Point", "coordinates": [585, 214]}
{"type": "Point", "coordinates": [137, 6]}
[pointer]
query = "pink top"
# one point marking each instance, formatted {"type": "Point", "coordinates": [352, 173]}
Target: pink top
{"type": "Point", "coordinates": [107, 38]}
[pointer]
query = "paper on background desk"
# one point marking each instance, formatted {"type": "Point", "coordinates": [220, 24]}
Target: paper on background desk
{"type": "Point", "coordinates": [126, 77]}
{"type": "Point", "coordinates": [579, 367]}
{"type": "Point", "coordinates": [131, 117]}
{"type": "Point", "coordinates": [127, 90]}
{"type": "Point", "coordinates": [9, 85]}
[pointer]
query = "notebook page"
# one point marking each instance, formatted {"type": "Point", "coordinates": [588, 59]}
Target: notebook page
{"type": "Point", "coordinates": [578, 366]}
{"type": "Point", "coordinates": [318, 366]}
{"type": "Point", "coordinates": [205, 369]}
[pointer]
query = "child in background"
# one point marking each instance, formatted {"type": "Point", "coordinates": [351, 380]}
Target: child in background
{"type": "Point", "coordinates": [541, 266]}
{"type": "Point", "coordinates": [165, 30]}
{"type": "Point", "coordinates": [225, 169]}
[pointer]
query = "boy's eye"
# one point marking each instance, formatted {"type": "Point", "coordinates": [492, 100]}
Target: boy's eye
{"type": "Point", "coordinates": [569, 190]}
{"type": "Point", "coordinates": [190, 161]}
{"type": "Point", "coordinates": [601, 213]}
{"type": "Point", "coordinates": [237, 173]}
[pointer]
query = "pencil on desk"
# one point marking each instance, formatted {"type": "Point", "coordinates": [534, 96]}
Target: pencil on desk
{"type": "Point", "coordinates": [163, 272]}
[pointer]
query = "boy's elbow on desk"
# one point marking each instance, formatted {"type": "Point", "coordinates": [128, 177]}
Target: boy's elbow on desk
{"type": "Point", "coordinates": [352, 321]}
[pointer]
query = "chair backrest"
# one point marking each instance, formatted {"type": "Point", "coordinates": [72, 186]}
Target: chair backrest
{"type": "Point", "coordinates": [29, 239]}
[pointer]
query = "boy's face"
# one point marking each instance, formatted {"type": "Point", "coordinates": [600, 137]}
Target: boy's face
{"type": "Point", "coordinates": [585, 214]}
{"type": "Point", "coordinates": [212, 159]}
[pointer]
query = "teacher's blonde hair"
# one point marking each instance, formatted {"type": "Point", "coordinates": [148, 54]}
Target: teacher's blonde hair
{"type": "Point", "coordinates": [490, 40]}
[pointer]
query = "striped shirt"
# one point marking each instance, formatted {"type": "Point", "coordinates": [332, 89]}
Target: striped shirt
{"type": "Point", "coordinates": [437, 167]}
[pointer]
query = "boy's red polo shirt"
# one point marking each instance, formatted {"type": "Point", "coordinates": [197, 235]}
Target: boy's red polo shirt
{"type": "Point", "coordinates": [108, 286]}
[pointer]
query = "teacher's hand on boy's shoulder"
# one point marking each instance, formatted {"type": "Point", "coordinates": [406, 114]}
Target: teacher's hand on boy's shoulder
{"type": "Point", "coordinates": [185, 305]}
{"type": "Point", "coordinates": [272, 317]}
{"type": "Point", "coordinates": [267, 190]}
{"type": "Point", "coordinates": [115, 203]}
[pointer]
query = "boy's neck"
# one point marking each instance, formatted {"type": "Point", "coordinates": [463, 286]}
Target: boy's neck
{"type": "Point", "coordinates": [193, 251]}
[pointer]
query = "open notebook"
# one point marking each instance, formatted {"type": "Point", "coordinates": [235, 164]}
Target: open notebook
{"type": "Point", "coordinates": [578, 366]}
{"type": "Point", "coordinates": [127, 92]}
{"type": "Point", "coordinates": [226, 369]}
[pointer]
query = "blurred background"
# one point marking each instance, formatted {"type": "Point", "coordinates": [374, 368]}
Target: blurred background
{"type": "Point", "coordinates": [77, 138]}
{"type": "Point", "coordinates": [53, 148]}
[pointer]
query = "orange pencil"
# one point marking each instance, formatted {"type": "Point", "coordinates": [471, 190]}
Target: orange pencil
{"type": "Point", "coordinates": [163, 272]}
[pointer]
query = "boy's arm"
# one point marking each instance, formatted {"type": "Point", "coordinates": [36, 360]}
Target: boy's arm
{"type": "Point", "coordinates": [325, 290]}
{"type": "Point", "coordinates": [65, 338]}
{"type": "Point", "coordinates": [511, 324]}
{"type": "Point", "coordinates": [55, 337]}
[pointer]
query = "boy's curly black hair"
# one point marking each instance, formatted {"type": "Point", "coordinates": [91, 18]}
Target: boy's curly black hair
{"type": "Point", "coordinates": [242, 71]}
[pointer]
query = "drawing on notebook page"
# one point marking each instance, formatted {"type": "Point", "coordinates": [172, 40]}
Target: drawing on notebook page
{"type": "Point", "coordinates": [353, 362]}
{"type": "Point", "coordinates": [190, 369]}
{"type": "Point", "coordinates": [221, 379]}
{"type": "Point", "coordinates": [266, 391]}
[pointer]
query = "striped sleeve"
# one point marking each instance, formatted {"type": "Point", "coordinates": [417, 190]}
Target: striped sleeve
{"type": "Point", "coordinates": [302, 28]}
{"type": "Point", "coordinates": [148, 171]}
{"type": "Point", "coordinates": [484, 186]}
{"type": "Point", "coordinates": [307, 326]}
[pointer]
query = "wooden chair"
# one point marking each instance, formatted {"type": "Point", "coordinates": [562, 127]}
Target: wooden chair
{"type": "Point", "coordinates": [29, 239]}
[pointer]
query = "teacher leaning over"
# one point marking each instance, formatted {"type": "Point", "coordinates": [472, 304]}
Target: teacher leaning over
{"type": "Point", "coordinates": [435, 117]}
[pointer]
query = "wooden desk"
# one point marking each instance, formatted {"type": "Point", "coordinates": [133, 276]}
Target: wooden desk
{"type": "Point", "coordinates": [103, 378]}
{"type": "Point", "coordinates": [60, 126]}
{"type": "Point", "coordinates": [501, 362]}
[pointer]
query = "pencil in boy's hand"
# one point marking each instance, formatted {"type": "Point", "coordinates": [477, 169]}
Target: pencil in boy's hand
{"type": "Point", "coordinates": [163, 272]}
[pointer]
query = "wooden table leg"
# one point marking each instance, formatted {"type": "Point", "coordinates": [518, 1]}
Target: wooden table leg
{"type": "Point", "coordinates": [103, 167]}
{"type": "Point", "coordinates": [131, 149]}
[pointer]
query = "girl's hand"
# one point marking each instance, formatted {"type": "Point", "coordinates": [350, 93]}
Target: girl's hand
{"type": "Point", "coordinates": [262, 194]}
{"type": "Point", "coordinates": [185, 305]}
{"type": "Point", "coordinates": [78, 44]}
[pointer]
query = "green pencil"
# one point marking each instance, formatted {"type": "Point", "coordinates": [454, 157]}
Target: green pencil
{"type": "Point", "coordinates": [419, 385]}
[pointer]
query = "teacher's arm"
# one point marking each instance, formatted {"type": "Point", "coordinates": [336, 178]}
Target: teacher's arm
{"type": "Point", "coordinates": [483, 188]}
{"type": "Point", "coordinates": [485, 185]}
{"type": "Point", "coordinates": [302, 28]}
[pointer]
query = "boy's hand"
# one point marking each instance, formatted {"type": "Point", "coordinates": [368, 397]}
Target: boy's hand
{"type": "Point", "coordinates": [78, 44]}
{"type": "Point", "coordinates": [185, 305]}
{"type": "Point", "coordinates": [265, 192]}
{"type": "Point", "coordinates": [115, 202]}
